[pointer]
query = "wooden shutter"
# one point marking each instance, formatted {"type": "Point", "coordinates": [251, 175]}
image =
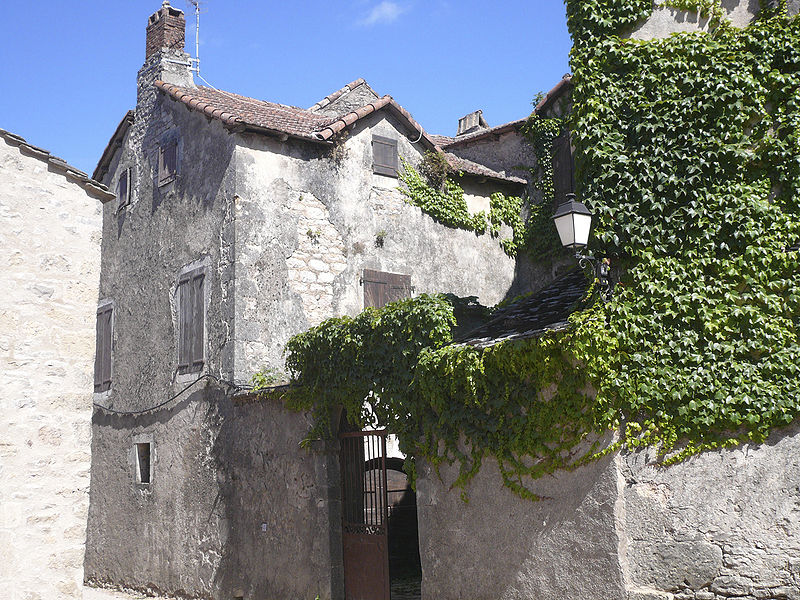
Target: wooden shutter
{"type": "Point", "coordinates": [562, 167]}
{"type": "Point", "coordinates": [167, 162]}
{"type": "Point", "coordinates": [102, 360]}
{"type": "Point", "coordinates": [384, 156]}
{"type": "Point", "coordinates": [381, 288]}
{"type": "Point", "coordinates": [191, 322]}
{"type": "Point", "coordinates": [124, 188]}
{"type": "Point", "coordinates": [198, 321]}
{"type": "Point", "coordinates": [184, 322]}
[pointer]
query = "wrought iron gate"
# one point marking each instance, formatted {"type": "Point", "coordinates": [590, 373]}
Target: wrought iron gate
{"type": "Point", "coordinates": [364, 515]}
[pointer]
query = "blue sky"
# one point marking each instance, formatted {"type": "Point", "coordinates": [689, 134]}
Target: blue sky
{"type": "Point", "coordinates": [68, 68]}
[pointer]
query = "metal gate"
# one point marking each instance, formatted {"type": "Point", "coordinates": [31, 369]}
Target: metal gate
{"type": "Point", "coordinates": [364, 515]}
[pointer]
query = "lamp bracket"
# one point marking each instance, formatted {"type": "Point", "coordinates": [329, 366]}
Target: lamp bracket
{"type": "Point", "coordinates": [602, 273]}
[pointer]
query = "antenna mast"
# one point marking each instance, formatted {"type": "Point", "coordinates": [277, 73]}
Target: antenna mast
{"type": "Point", "coordinates": [196, 67]}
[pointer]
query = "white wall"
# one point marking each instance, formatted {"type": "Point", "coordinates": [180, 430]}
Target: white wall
{"type": "Point", "coordinates": [49, 274]}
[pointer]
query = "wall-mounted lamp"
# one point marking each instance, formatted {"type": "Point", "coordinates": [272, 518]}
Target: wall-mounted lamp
{"type": "Point", "coordinates": [573, 222]}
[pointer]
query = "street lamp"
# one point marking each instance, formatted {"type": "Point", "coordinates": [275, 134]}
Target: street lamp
{"type": "Point", "coordinates": [573, 222]}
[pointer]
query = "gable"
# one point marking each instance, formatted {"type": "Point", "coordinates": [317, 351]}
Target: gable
{"type": "Point", "coordinates": [352, 96]}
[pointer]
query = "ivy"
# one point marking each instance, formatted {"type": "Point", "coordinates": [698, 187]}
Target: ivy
{"type": "Point", "coordinates": [540, 237]}
{"type": "Point", "coordinates": [438, 195]}
{"type": "Point", "coordinates": [446, 204]}
{"type": "Point", "coordinates": [688, 154]}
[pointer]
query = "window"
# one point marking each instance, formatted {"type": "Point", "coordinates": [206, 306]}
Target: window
{"type": "Point", "coordinates": [102, 357]}
{"type": "Point", "coordinates": [562, 167]}
{"type": "Point", "coordinates": [144, 470]}
{"type": "Point", "coordinates": [167, 162]}
{"type": "Point", "coordinates": [381, 288]}
{"type": "Point", "coordinates": [124, 189]}
{"type": "Point", "coordinates": [384, 156]}
{"type": "Point", "coordinates": [191, 321]}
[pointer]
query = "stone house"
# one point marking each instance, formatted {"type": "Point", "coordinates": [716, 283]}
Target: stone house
{"type": "Point", "coordinates": [236, 224]}
{"type": "Point", "coordinates": [50, 228]}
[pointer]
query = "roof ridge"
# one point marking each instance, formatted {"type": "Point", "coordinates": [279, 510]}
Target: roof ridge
{"type": "Point", "coordinates": [90, 186]}
{"type": "Point", "coordinates": [337, 94]}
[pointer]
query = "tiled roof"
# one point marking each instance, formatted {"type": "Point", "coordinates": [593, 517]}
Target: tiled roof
{"type": "Point", "coordinates": [235, 110]}
{"type": "Point", "coordinates": [545, 310]}
{"type": "Point", "coordinates": [544, 104]}
{"type": "Point", "coordinates": [473, 168]}
{"type": "Point", "coordinates": [337, 94]}
{"type": "Point", "coordinates": [59, 165]}
{"type": "Point", "coordinates": [240, 112]}
{"type": "Point", "coordinates": [441, 140]}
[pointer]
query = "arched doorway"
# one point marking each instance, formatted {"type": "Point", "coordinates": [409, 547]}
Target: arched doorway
{"type": "Point", "coordinates": [405, 571]}
{"type": "Point", "coordinates": [380, 541]}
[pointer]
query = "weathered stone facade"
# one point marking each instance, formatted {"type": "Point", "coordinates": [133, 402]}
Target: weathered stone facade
{"type": "Point", "coordinates": [721, 525]}
{"type": "Point", "coordinates": [50, 228]}
{"type": "Point", "coordinates": [284, 228]}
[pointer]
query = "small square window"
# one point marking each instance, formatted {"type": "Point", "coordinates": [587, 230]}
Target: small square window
{"type": "Point", "coordinates": [124, 189]}
{"type": "Point", "coordinates": [167, 162]}
{"type": "Point", "coordinates": [384, 156]}
{"type": "Point", "coordinates": [144, 470]}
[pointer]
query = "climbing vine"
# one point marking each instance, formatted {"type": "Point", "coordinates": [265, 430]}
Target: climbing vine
{"type": "Point", "coordinates": [688, 153]}
{"type": "Point", "coordinates": [436, 192]}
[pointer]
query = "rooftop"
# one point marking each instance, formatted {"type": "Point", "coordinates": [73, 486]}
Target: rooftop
{"type": "Point", "coordinates": [546, 310]}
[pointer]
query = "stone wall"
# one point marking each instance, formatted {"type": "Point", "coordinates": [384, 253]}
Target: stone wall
{"type": "Point", "coordinates": [499, 546]}
{"type": "Point", "coordinates": [666, 20]}
{"type": "Point", "coordinates": [310, 219]}
{"type": "Point", "coordinates": [49, 272]}
{"type": "Point", "coordinates": [168, 535]}
{"type": "Point", "coordinates": [724, 524]}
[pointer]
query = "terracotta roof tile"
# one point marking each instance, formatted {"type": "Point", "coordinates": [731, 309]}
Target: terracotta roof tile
{"type": "Point", "coordinates": [235, 110]}
{"type": "Point", "coordinates": [441, 140]}
{"type": "Point", "coordinates": [239, 111]}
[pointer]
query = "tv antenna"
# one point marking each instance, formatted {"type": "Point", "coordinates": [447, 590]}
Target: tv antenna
{"type": "Point", "coordinates": [198, 8]}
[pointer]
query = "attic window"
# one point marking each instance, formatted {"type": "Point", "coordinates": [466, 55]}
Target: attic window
{"type": "Point", "coordinates": [124, 189]}
{"type": "Point", "coordinates": [384, 156]}
{"type": "Point", "coordinates": [167, 162]}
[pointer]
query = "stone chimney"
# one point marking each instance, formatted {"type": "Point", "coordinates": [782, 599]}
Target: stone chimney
{"type": "Point", "coordinates": [166, 28]}
{"type": "Point", "coordinates": [164, 55]}
{"type": "Point", "coordinates": [471, 123]}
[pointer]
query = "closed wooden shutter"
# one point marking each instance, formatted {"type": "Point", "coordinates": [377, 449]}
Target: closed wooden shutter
{"type": "Point", "coordinates": [184, 321]}
{"type": "Point", "coordinates": [198, 321]}
{"type": "Point", "coordinates": [124, 188]}
{"type": "Point", "coordinates": [563, 167]}
{"type": "Point", "coordinates": [384, 156]}
{"type": "Point", "coordinates": [381, 288]}
{"type": "Point", "coordinates": [167, 162]}
{"type": "Point", "coordinates": [102, 360]}
{"type": "Point", "coordinates": [191, 322]}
